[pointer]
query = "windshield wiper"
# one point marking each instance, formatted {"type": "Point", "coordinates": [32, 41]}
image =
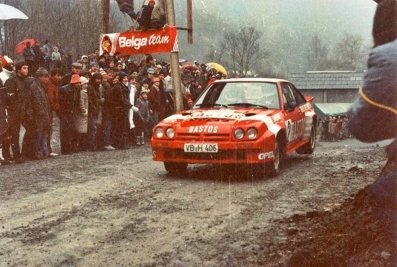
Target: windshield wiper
{"type": "Point", "coordinates": [248, 105]}
{"type": "Point", "coordinates": [220, 105]}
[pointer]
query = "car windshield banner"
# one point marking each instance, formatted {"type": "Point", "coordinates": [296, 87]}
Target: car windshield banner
{"type": "Point", "coordinates": [162, 40]}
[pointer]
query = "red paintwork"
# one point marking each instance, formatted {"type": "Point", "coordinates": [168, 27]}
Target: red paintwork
{"type": "Point", "coordinates": [198, 126]}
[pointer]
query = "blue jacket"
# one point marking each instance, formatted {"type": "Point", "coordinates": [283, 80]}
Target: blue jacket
{"type": "Point", "coordinates": [373, 115]}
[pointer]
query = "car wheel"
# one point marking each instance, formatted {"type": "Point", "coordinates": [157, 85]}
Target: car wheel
{"type": "Point", "coordinates": [272, 169]}
{"type": "Point", "coordinates": [174, 167]}
{"type": "Point", "coordinates": [309, 147]}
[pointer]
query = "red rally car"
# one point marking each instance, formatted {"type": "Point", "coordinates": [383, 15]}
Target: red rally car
{"type": "Point", "coordinates": [251, 121]}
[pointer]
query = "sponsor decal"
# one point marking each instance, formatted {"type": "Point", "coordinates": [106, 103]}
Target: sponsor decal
{"type": "Point", "coordinates": [217, 114]}
{"type": "Point", "coordinates": [266, 155]}
{"type": "Point", "coordinates": [295, 129]}
{"type": "Point", "coordinates": [203, 129]}
{"type": "Point", "coordinates": [306, 107]}
{"type": "Point", "coordinates": [140, 42]}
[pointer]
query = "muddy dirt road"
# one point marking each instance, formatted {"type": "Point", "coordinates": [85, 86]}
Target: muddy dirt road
{"type": "Point", "coordinates": [120, 208]}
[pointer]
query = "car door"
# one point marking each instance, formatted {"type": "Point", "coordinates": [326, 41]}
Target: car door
{"type": "Point", "coordinates": [294, 116]}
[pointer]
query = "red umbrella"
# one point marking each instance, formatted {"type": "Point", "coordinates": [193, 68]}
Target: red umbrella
{"type": "Point", "coordinates": [21, 45]}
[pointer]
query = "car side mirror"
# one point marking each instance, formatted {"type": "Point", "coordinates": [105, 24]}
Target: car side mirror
{"type": "Point", "coordinates": [309, 98]}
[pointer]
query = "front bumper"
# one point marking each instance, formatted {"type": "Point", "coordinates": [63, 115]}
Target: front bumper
{"type": "Point", "coordinates": [236, 152]}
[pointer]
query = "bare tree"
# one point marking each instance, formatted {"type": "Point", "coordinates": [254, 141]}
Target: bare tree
{"type": "Point", "coordinates": [73, 24]}
{"type": "Point", "coordinates": [215, 54]}
{"type": "Point", "coordinates": [243, 49]}
{"type": "Point", "coordinates": [348, 52]}
{"type": "Point", "coordinates": [317, 54]}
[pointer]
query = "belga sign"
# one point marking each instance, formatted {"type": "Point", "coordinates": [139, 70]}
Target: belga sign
{"type": "Point", "coordinates": [140, 42]}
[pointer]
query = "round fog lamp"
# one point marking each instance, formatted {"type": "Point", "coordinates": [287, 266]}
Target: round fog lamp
{"type": "Point", "coordinates": [252, 133]}
{"type": "Point", "coordinates": [159, 133]}
{"type": "Point", "coordinates": [170, 133]}
{"type": "Point", "coordinates": [239, 134]}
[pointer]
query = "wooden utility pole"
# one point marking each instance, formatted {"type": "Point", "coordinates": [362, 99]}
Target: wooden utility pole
{"type": "Point", "coordinates": [105, 16]}
{"type": "Point", "coordinates": [189, 22]}
{"type": "Point", "coordinates": [174, 58]}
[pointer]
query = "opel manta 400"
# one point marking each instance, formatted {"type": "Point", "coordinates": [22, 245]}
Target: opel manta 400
{"type": "Point", "coordinates": [252, 121]}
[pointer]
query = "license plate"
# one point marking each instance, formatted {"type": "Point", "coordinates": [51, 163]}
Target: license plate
{"type": "Point", "coordinates": [201, 148]}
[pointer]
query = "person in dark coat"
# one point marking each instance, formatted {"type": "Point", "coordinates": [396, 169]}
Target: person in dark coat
{"type": "Point", "coordinates": [68, 101]}
{"type": "Point", "coordinates": [95, 104]}
{"type": "Point", "coordinates": [108, 111]}
{"type": "Point", "coordinates": [19, 113]}
{"type": "Point", "coordinates": [41, 113]}
{"type": "Point", "coordinates": [3, 119]}
{"type": "Point", "coordinates": [157, 100]}
{"type": "Point", "coordinates": [29, 55]}
{"type": "Point", "coordinates": [122, 106]}
{"type": "Point", "coordinates": [76, 69]}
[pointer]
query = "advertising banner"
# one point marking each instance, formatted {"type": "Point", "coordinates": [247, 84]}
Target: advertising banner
{"type": "Point", "coordinates": [162, 40]}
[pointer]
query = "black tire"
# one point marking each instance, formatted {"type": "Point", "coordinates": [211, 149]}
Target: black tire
{"type": "Point", "coordinates": [273, 168]}
{"type": "Point", "coordinates": [309, 147]}
{"type": "Point", "coordinates": [174, 167]}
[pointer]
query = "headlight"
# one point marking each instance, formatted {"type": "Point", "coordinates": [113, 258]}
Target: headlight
{"type": "Point", "coordinates": [238, 134]}
{"type": "Point", "coordinates": [252, 133]}
{"type": "Point", "coordinates": [170, 133]}
{"type": "Point", "coordinates": [159, 133]}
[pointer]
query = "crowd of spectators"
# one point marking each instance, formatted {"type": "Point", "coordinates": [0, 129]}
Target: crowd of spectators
{"type": "Point", "coordinates": [103, 102]}
{"type": "Point", "coordinates": [333, 128]}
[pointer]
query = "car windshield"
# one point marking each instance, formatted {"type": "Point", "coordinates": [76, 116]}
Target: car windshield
{"type": "Point", "coordinates": [240, 94]}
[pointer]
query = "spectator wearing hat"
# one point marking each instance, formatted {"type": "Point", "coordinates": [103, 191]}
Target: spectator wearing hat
{"type": "Point", "coordinates": [68, 101]}
{"type": "Point", "coordinates": [8, 69]}
{"type": "Point", "coordinates": [41, 113]}
{"type": "Point", "coordinates": [81, 116]}
{"type": "Point", "coordinates": [19, 113]}
{"type": "Point", "coordinates": [85, 62]}
{"type": "Point", "coordinates": [147, 76]}
{"type": "Point", "coordinates": [148, 63]}
{"type": "Point", "coordinates": [76, 69]}
{"type": "Point", "coordinates": [94, 68]}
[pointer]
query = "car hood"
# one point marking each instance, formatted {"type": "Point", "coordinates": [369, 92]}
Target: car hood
{"type": "Point", "coordinates": [219, 120]}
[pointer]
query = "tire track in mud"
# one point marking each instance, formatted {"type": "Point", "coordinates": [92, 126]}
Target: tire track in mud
{"type": "Point", "coordinates": [123, 209]}
{"type": "Point", "coordinates": [240, 245]}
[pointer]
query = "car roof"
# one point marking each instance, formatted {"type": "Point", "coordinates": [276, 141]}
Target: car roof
{"type": "Point", "coordinates": [272, 80]}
